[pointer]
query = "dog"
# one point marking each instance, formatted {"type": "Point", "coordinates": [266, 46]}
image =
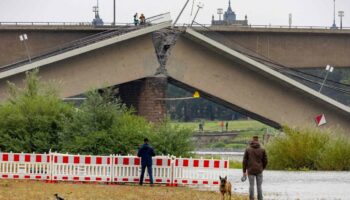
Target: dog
{"type": "Point", "coordinates": [58, 197]}
{"type": "Point", "coordinates": [225, 187]}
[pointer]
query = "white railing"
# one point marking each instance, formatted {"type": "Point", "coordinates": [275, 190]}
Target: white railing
{"type": "Point", "coordinates": [55, 167]}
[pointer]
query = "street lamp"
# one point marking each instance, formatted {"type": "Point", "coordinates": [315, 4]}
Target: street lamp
{"type": "Point", "coordinates": [334, 26]}
{"type": "Point", "coordinates": [200, 6]}
{"type": "Point", "coordinates": [341, 15]}
{"type": "Point", "coordinates": [328, 69]}
{"type": "Point", "coordinates": [113, 12]}
{"type": "Point", "coordinates": [23, 38]}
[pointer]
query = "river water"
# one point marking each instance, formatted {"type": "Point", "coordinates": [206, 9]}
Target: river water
{"type": "Point", "coordinates": [286, 185]}
{"type": "Point", "coordinates": [298, 185]}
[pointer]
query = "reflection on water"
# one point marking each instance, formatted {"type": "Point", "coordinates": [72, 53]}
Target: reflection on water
{"type": "Point", "coordinates": [298, 185]}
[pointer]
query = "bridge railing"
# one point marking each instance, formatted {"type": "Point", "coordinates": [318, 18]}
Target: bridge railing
{"type": "Point", "coordinates": [88, 40]}
{"type": "Point", "coordinates": [285, 27]}
{"type": "Point", "coordinates": [168, 170]}
{"type": "Point", "coordinates": [164, 17]}
{"type": "Point", "coordinates": [153, 19]}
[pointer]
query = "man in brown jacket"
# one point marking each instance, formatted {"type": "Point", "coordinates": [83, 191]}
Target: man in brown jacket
{"type": "Point", "coordinates": [254, 162]}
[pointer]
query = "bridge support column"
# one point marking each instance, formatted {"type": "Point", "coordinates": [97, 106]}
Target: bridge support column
{"type": "Point", "coordinates": [150, 104]}
{"type": "Point", "coordinates": [146, 97]}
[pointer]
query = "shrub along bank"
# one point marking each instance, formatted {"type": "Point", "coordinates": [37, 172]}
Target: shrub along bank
{"type": "Point", "coordinates": [35, 119]}
{"type": "Point", "coordinates": [310, 149]}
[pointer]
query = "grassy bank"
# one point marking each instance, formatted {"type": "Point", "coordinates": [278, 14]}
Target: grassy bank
{"type": "Point", "coordinates": [13, 190]}
{"type": "Point", "coordinates": [232, 125]}
{"type": "Point", "coordinates": [245, 128]}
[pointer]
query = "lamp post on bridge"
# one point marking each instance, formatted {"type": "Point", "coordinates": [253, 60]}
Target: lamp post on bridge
{"type": "Point", "coordinates": [341, 15]}
{"type": "Point", "coordinates": [23, 38]}
{"type": "Point", "coordinates": [334, 26]}
{"type": "Point", "coordinates": [328, 69]}
{"type": "Point", "coordinates": [113, 12]}
{"type": "Point", "coordinates": [200, 6]}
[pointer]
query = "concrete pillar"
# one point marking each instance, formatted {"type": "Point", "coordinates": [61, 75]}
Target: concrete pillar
{"type": "Point", "coordinates": [146, 97]}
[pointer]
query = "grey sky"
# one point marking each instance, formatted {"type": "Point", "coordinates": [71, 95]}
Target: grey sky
{"type": "Point", "coordinates": [260, 12]}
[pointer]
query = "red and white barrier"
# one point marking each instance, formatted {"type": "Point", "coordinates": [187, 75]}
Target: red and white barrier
{"type": "Point", "coordinates": [189, 171]}
{"type": "Point", "coordinates": [81, 168]}
{"type": "Point", "coordinates": [128, 169]}
{"type": "Point", "coordinates": [25, 166]}
{"type": "Point", "coordinates": [120, 169]}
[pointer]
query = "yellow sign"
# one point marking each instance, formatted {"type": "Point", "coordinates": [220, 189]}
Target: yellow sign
{"type": "Point", "coordinates": [196, 95]}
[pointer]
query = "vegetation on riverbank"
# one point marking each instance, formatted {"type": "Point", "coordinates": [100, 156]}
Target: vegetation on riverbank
{"type": "Point", "coordinates": [245, 129]}
{"type": "Point", "coordinates": [214, 126]}
{"type": "Point", "coordinates": [35, 119]}
{"type": "Point", "coordinates": [309, 148]}
{"type": "Point", "coordinates": [38, 190]}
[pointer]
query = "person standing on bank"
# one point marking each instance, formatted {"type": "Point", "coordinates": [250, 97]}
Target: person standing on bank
{"type": "Point", "coordinates": [146, 153]}
{"type": "Point", "coordinates": [254, 163]}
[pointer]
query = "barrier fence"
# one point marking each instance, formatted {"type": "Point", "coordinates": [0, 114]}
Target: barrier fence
{"type": "Point", "coordinates": [55, 167]}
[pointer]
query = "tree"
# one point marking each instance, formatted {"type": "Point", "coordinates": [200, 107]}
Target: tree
{"type": "Point", "coordinates": [172, 140]}
{"type": "Point", "coordinates": [33, 117]}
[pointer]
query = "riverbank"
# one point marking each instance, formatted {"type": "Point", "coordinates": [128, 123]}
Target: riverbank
{"type": "Point", "coordinates": [14, 189]}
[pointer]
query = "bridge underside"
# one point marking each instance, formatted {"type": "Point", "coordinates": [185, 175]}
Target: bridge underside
{"type": "Point", "coordinates": [233, 83]}
{"type": "Point", "coordinates": [111, 65]}
{"type": "Point", "coordinates": [292, 48]}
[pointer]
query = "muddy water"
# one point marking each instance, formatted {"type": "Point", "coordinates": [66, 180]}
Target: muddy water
{"type": "Point", "coordinates": [298, 185]}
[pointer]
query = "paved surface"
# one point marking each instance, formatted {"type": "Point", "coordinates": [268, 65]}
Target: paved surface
{"type": "Point", "coordinates": [283, 185]}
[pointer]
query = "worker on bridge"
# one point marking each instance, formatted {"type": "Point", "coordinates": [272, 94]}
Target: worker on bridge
{"type": "Point", "coordinates": [136, 21]}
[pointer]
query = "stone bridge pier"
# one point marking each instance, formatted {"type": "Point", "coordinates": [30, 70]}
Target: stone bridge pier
{"type": "Point", "coordinates": [146, 97]}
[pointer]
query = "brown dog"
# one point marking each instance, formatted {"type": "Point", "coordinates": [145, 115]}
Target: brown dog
{"type": "Point", "coordinates": [225, 187]}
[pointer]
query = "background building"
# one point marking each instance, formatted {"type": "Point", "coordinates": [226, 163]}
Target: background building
{"type": "Point", "coordinates": [229, 18]}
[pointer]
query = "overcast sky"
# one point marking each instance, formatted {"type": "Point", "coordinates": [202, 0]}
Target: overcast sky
{"type": "Point", "coordinates": [260, 12]}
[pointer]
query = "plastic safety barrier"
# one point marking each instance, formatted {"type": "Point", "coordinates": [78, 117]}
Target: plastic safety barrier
{"type": "Point", "coordinates": [167, 170]}
{"type": "Point", "coordinates": [81, 168]}
{"type": "Point", "coordinates": [127, 169]}
{"type": "Point", "coordinates": [25, 166]}
{"type": "Point", "coordinates": [189, 171]}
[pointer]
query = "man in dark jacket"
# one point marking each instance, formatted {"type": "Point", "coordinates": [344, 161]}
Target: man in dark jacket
{"type": "Point", "coordinates": [146, 153]}
{"type": "Point", "coordinates": [254, 162]}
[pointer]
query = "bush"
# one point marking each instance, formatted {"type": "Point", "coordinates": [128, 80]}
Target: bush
{"type": "Point", "coordinates": [128, 133]}
{"type": "Point", "coordinates": [173, 140]}
{"type": "Point", "coordinates": [336, 155]}
{"type": "Point", "coordinates": [308, 149]}
{"type": "Point", "coordinates": [32, 118]}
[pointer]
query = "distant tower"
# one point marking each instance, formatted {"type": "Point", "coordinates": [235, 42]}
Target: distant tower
{"type": "Point", "coordinates": [220, 11]}
{"type": "Point", "coordinates": [97, 21]}
{"type": "Point", "coordinates": [229, 16]}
